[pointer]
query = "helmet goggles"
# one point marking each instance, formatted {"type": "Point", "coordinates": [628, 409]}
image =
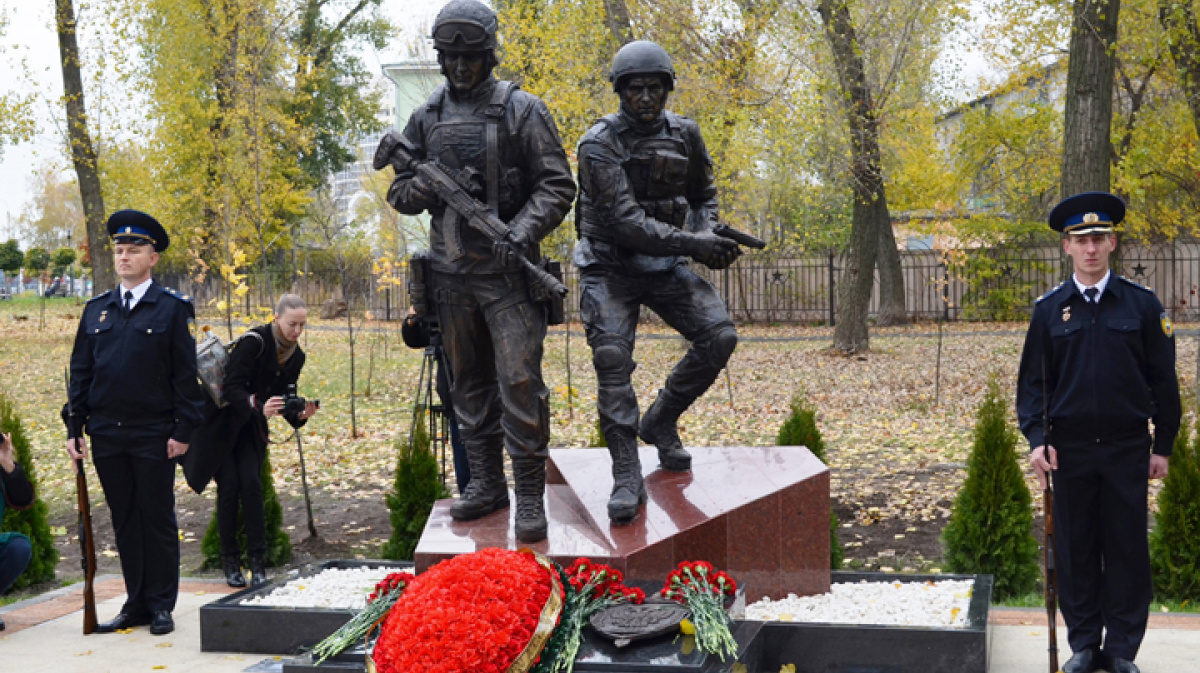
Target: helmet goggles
{"type": "Point", "coordinates": [461, 33]}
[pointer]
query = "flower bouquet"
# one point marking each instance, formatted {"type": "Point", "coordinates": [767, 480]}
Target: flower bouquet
{"type": "Point", "coordinates": [590, 587]}
{"type": "Point", "coordinates": [702, 589]}
{"type": "Point", "coordinates": [487, 612]}
{"type": "Point", "coordinates": [386, 593]}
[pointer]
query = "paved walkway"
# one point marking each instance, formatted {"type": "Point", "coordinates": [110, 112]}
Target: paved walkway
{"type": "Point", "coordinates": [45, 634]}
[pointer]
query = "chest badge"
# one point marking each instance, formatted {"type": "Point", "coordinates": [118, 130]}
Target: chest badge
{"type": "Point", "coordinates": [1066, 314]}
{"type": "Point", "coordinates": [103, 315]}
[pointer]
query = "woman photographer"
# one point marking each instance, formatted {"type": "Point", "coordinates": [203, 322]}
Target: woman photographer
{"type": "Point", "coordinates": [17, 492]}
{"type": "Point", "coordinates": [262, 366]}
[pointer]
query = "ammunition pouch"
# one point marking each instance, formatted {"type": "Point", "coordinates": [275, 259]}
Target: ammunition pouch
{"type": "Point", "coordinates": [555, 308]}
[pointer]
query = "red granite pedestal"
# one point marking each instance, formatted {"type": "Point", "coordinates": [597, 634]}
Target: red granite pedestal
{"type": "Point", "coordinates": [761, 513]}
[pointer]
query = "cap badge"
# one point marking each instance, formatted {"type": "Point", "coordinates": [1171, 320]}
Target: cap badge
{"type": "Point", "coordinates": [1091, 218]}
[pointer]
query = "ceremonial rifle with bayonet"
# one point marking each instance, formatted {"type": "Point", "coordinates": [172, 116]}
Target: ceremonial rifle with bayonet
{"type": "Point", "coordinates": [87, 545]}
{"type": "Point", "coordinates": [1048, 527]}
{"type": "Point", "coordinates": [398, 152]}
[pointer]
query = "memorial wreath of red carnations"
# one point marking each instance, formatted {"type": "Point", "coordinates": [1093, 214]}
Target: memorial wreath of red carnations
{"type": "Point", "coordinates": [487, 612]}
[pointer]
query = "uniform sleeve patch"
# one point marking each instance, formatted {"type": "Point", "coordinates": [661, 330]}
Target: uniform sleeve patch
{"type": "Point", "coordinates": [1167, 328]}
{"type": "Point", "coordinates": [192, 328]}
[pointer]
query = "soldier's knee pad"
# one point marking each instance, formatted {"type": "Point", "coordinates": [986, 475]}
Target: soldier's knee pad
{"type": "Point", "coordinates": [719, 344]}
{"type": "Point", "coordinates": [613, 360]}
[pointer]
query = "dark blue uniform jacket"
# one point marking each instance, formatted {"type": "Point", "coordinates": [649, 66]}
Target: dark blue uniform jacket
{"type": "Point", "coordinates": [136, 377]}
{"type": "Point", "coordinates": [1106, 368]}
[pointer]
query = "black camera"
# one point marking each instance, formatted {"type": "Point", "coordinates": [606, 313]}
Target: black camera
{"type": "Point", "coordinates": [293, 404]}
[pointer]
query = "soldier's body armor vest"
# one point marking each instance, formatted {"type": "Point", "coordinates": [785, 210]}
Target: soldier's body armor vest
{"type": "Point", "coordinates": [466, 138]}
{"type": "Point", "coordinates": [656, 170]}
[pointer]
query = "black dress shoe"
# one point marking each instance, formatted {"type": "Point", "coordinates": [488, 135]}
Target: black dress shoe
{"type": "Point", "coordinates": [1083, 661]}
{"type": "Point", "coordinates": [1119, 665]}
{"type": "Point", "coordinates": [162, 624]}
{"type": "Point", "coordinates": [122, 621]}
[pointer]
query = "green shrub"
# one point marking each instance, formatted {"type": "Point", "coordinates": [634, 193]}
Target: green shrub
{"type": "Point", "coordinates": [32, 521]}
{"type": "Point", "coordinates": [991, 524]}
{"type": "Point", "coordinates": [279, 545]}
{"type": "Point", "coordinates": [1175, 540]}
{"type": "Point", "coordinates": [417, 486]}
{"type": "Point", "coordinates": [597, 439]}
{"type": "Point", "coordinates": [800, 429]}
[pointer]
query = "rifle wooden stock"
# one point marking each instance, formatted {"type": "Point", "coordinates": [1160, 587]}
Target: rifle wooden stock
{"type": "Point", "coordinates": [87, 549]}
{"type": "Point", "coordinates": [1051, 575]}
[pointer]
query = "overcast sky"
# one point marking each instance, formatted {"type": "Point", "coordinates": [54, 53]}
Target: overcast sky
{"type": "Point", "coordinates": [30, 36]}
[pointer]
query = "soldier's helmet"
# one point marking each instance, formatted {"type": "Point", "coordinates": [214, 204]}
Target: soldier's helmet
{"type": "Point", "coordinates": [465, 25]}
{"type": "Point", "coordinates": [641, 58]}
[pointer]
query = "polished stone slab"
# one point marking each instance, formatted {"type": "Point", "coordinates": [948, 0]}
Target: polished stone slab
{"type": "Point", "coordinates": [761, 513]}
{"type": "Point", "coordinates": [226, 625]}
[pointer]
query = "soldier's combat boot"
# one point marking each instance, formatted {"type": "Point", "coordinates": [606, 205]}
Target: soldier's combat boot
{"type": "Point", "coordinates": [629, 490]}
{"type": "Point", "coordinates": [659, 427]}
{"type": "Point", "coordinates": [487, 490]}
{"type": "Point", "coordinates": [530, 477]}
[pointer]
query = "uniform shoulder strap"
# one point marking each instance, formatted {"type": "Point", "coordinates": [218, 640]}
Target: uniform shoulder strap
{"type": "Point", "coordinates": [433, 106]}
{"type": "Point", "coordinates": [494, 113]}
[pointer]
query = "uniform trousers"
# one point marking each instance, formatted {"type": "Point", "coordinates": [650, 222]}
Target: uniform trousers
{"type": "Point", "coordinates": [1100, 543]}
{"type": "Point", "coordinates": [610, 304]}
{"type": "Point", "coordinates": [492, 333]}
{"type": "Point", "coordinates": [239, 477]}
{"type": "Point", "coordinates": [139, 485]}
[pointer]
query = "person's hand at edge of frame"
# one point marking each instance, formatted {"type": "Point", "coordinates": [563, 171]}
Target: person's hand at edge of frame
{"type": "Point", "coordinates": [8, 458]}
{"type": "Point", "coordinates": [77, 448]}
{"type": "Point", "coordinates": [1044, 460]}
{"type": "Point", "coordinates": [1159, 465]}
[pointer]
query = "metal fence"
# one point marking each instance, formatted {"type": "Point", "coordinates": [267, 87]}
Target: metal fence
{"type": "Point", "coordinates": [958, 284]}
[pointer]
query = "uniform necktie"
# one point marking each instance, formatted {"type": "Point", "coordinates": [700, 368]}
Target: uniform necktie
{"type": "Point", "coordinates": [128, 301]}
{"type": "Point", "coordinates": [1091, 293]}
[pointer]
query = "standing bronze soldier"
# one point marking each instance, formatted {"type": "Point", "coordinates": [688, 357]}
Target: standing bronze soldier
{"type": "Point", "coordinates": [503, 146]}
{"type": "Point", "coordinates": [647, 202]}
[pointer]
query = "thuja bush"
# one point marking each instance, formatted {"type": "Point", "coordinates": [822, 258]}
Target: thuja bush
{"type": "Point", "coordinates": [279, 545]}
{"type": "Point", "coordinates": [991, 524]}
{"type": "Point", "coordinates": [1175, 540]}
{"type": "Point", "coordinates": [30, 521]}
{"type": "Point", "coordinates": [417, 486]}
{"type": "Point", "coordinates": [800, 429]}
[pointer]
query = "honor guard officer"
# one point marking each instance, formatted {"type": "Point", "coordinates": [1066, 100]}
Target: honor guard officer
{"type": "Point", "coordinates": [1099, 363]}
{"type": "Point", "coordinates": [134, 391]}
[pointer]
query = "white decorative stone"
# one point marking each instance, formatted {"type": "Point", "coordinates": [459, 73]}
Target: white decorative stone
{"type": "Point", "coordinates": [942, 603]}
{"type": "Point", "coordinates": [332, 588]}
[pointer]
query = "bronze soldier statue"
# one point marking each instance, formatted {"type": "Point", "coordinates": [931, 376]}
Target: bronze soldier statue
{"type": "Point", "coordinates": [502, 146]}
{"type": "Point", "coordinates": [647, 203]}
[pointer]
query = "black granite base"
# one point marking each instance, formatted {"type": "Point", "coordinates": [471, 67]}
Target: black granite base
{"type": "Point", "coordinates": [228, 626]}
{"type": "Point", "coordinates": [817, 648]}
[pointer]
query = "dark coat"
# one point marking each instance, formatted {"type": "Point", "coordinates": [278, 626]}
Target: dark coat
{"type": "Point", "coordinates": [252, 377]}
{"type": "Point", "coordinates": [135, 378]}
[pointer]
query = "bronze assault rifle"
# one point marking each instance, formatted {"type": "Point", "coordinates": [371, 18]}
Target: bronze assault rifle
{"type": "Point", "coordinates": [398, 152]}
{"type": "Point", "coordinates": [87, 544]}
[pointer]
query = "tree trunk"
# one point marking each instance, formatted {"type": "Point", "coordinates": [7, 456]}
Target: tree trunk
{"type": "Point", "coordinates": [892, 310]}
{"type": "Point", "coordinates": [616, 17]}
{"type": "Point", "coordinates": [870, 204]}
{"type": "Point", "coordinates": [1087, 142]}
{"type": "Point", "coordinates": [83, 155]}
{"type": "Point", "coordinates": [1179, 20]}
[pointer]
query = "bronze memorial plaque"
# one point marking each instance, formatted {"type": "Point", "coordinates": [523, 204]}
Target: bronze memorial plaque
{"type": "Point", "coordinates": [626, 622]}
